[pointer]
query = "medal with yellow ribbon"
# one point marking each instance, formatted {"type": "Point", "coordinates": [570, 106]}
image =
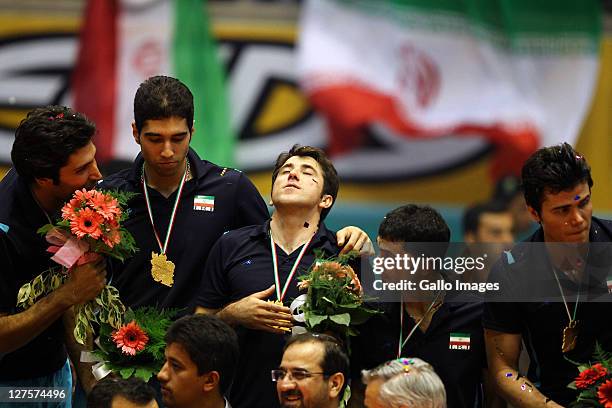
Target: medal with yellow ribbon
{"type": "Point", "coordinates": [280, 294]}
{"type": "Point", "coordinates": [162, 269]}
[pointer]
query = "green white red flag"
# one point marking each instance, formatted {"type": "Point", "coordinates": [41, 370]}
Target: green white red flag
{"type": "Point", "coordinates": [519, 73]}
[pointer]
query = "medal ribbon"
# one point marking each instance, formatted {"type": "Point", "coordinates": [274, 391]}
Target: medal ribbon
{"type": "Point", "coordinates": [403, 342]}
{"type": "Point", "coordinates": [163, 247]}
{"type": "Point", "coordinates": [281, 295]}
{"type": "Point", "coordinates": [569, 316]}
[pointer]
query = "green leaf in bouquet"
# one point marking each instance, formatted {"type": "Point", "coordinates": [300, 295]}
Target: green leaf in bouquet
{"type": "Point", "coordinates": [328, 300]}
{"type": "Point", "coordinates": [572, 385]}
{"type": "Point", "coordinates": [126, 372]}
{"type": "Point", "coordinates": [314, 319]}
{"type": "Point", "coordinates": [144, 373]}
{"type": "Point", "coordinates": [342, 318]}
{"type": "Point", "coordinates": [44, 229]}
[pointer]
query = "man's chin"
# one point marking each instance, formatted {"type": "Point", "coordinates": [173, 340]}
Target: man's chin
{"type": "Point", "coordinates": [292, 404]}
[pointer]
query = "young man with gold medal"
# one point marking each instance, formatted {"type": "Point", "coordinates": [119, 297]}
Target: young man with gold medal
{"type": "Point", "coordinates": [251, 273]}
{"type": "Point", "coordinates": [554, 275]}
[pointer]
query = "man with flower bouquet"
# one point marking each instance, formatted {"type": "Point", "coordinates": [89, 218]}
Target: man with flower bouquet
{"type": "Point", "coordinates": [250, 275]}
{"type": "Point", "coordinates": [53, 156]}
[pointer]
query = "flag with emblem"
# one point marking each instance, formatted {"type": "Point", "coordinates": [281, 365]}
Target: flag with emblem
{"type": "Point", "coordinates": [459, 341]}
{"type": "Point", "coordinates": [122, 43]}
{"type": "Point", "coordinates": [520, 73]}
{"type": "Point", "coordinates": [204, 203]}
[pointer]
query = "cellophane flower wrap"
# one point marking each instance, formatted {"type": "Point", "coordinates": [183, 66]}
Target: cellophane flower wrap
{"type": "Point", "coordinates": [594, 382]}
{"type": "Point", "coordinates": [137, 347]}
{"type": "Point", "coordinates": [334, 301]}
{"type": "Point", "coordinates": [90, 227]}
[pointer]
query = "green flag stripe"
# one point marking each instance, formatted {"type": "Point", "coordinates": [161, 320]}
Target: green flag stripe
{"type": "Point", "coordinates": [521, 25]}
{"type": "Point", "coordinates": [196, 63]}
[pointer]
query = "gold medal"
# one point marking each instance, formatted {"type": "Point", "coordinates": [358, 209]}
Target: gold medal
{"type": "Point", "coordinates": [162, 270]}
{"type": "Point", "coordinates": [570, 335]}
{"type": "Point", "coordinates": [279, 303]}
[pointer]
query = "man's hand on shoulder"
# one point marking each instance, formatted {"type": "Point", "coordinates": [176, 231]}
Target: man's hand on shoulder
{"type": "Point", "coordinates": [354, 239]}
{"type": "Point", "coordinates": [256, 313]}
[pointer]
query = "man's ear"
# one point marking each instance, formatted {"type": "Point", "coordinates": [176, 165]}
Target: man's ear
{"type": "Point", "coordinates": [135, 133]}
{"type": "Point", "coordinates": [534, 214]}
{"type": "Point", "coordinates": [326, 201]}
{"type": "Point", "coordinates": [211, 381]}
{"type": "Point", "coordinates": [335, 383]}
{"type": "Point", "coordinates": [43, 182]}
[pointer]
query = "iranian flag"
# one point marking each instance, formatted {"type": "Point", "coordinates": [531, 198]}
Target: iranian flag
{"type": "Point", "coordinates": [520, 73]}
{"type": "Point", "coordinates": [122, 43]}
{"type": "Point", "coordinates": [459, 341]}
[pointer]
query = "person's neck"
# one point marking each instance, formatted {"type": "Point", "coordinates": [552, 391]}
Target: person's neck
{"type": "Point", "coordinates": [165, 185]}
{"type": "Point", "coordinates": [45, 200]}
{"type": "Point", "coordinates": [291, 229]}
{"type": "Point", "coordinates": [210, 401]}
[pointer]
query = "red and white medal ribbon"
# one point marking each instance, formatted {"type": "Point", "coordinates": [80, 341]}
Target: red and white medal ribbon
{"type": "Point", "coordinates": [164, 247]}
{"type": "Point", "coordinates": [280, 295]}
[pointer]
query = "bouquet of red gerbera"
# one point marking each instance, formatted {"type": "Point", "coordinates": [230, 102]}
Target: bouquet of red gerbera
{"type": "Point", "coordinates": [134, 349]}
{"type": "Point", "coordinates": [90, 227]}
{"type": "Point", "coordinates": [594, 381]}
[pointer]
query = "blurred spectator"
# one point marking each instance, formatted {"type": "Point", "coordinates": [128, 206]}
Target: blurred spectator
{"type": "Point", "coordinates": [487, 229]}
{"type": "Point", "coordinates": [405, 382]}
{"type": "Point", "coordinates": [121, 393]}
{"type": "Point", "coordinates": [509, 190]}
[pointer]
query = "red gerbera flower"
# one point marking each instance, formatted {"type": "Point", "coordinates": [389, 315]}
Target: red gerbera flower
{"type": "Point", "coordinates": [590, 376]}
{"type": "Point", "coordinates": [104, 204]}
{"type": "Point", "coordinates": [86, 222]}
{"type": "Point", "coordinates": [112, 237]}
{"type": "Point", "coordinates": [605, 394]}
{"type": "Point", "coordinates": [130, 338]}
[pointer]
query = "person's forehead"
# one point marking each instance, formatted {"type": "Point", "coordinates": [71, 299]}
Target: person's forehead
{"type": "Point", "coordinates": [307, 356]}
{"type": "Point", "coordinates": [566, 197]}
{"type": "Point", "coordinates": [299, 161]}
{"type": "Point", "coordinates": [174, 123]}
{"type": "Point", "coordinates": [179, 353]}
{"type": "Point", "coordinates": [496, 218]}
{"type": "Point", "coordinates": [390, 246]}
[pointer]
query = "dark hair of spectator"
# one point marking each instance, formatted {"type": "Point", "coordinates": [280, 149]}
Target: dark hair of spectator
{"type": "Point", "coordinates": [46, 138]}
{"type": "Point", "coordinates": [331, 182]}
{"type": "Point", "coordinates": [471, 216]}
{"type": "Point", "coordinates": [551, 170]}
{"type": "Point", "coordinates": [162, 97]}
{"type": "Point", "coordinates": [211, 344]}
{"type": "Point", "coordinates": [132, 389]}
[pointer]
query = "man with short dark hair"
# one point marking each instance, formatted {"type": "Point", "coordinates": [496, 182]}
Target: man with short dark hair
{"type": "Point", "coordinates": [251, 274]}
{"type": "Point", "coordinates": [425, 323]}
{"type": "Point", "coordinates": [122, 393]}
{"type": "Point", "coordinates": [201, 359]}
{"type": "Point", "coordinates": [313, 372]}
{"type": "Point", "coordinates": [53, 156]}
{"type": "Point", "coordinates": [487, 229]}
{"type": "Point", "coordinates": [557, 185]}
{"type": "Point", "coordinates": [184, 204]}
